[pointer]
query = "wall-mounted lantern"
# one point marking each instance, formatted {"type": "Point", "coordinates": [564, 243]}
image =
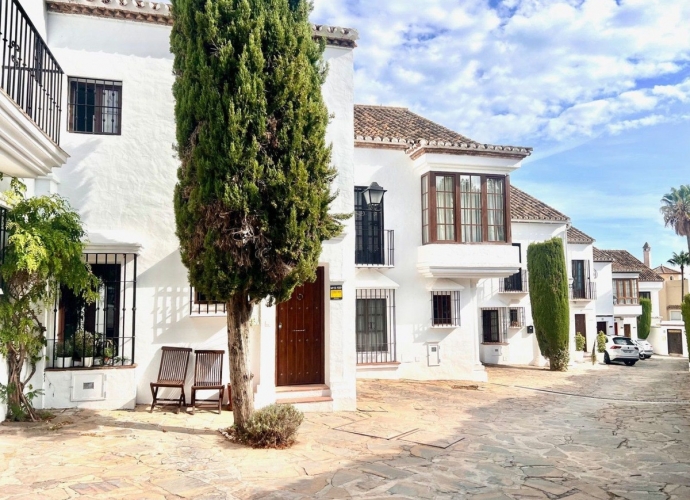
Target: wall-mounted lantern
{"type": "Point", "coordinates": [373, 195]}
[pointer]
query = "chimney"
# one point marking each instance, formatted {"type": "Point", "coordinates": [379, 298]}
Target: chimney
{"type": "Point", "coordinates": [647, 255]}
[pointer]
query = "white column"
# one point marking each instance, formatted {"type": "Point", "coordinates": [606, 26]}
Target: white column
{"type": "Point", "coordinates": [266, 388]}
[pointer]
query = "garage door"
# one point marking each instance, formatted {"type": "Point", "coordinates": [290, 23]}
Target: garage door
{"type": "Point", "coordinates": [675, 342]}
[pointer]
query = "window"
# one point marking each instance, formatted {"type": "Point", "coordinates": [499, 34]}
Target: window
{"type": "Point", "coordinates": [445, 208]}
{"type": "Point", "coordinates": [646, 295]}
{"type": "Point", "coordinates": [95, 106]}
{"type": "Point", "coordinates": [578, 285]}
{"type": "Point", "coordinates": [100, 333]}
{"type": "Point", "coordinates": [625, 292]}
{"type": "Point", "coordinates": [445, 309]}
{"type": "Point", "coordinates": [464, 208]}
{"type": "Point", "coordinates": [373, 245]}
{"type": "Point", "coordinates": [375, 326]}
{"type": "Point", "coordinates": [200, 305]}
{"type": "Point", "coordinates": [496, 321]}
{"type": "Point", "coordinates": [675, 315]}
{"type": "Point", "coordinates": [491, 328]}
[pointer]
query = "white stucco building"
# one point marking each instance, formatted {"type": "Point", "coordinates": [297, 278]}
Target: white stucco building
{"type": "Point", "coordinates": [428, 281]}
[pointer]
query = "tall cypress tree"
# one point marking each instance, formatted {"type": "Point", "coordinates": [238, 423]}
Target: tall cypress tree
{"type": "Point", "coordinates": [548, 292]}
{"type": "Point", "coordinates": [254, 191]}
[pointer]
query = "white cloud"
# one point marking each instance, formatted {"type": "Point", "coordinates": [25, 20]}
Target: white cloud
{"type": "Point", "coordinates": [526, 71]}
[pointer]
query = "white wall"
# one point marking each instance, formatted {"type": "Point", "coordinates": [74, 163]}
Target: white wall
{"type": "Point", "coordinates": [586, 307]}
{"type": "Point", "coordinates": [135, 174]}
{"type": "Point", "coordinates": [659, 337]}
{"type": "Point", "coordinates": [393, 170]}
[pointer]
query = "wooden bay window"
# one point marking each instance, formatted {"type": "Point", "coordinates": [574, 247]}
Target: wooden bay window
{"type": "Point", "coordinates": [626, 293]}
{"type": "Point", "coordinates": [465, 208]}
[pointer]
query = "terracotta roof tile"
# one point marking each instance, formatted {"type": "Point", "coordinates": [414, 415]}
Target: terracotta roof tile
{"type": "Point", "coordinates": [399, 128]}
{"type": "Point", "coordinates": [402, 125]}
{"type": "Point", "coordinates": [665, 270]}
{"type": "Point", "coordinates": [526, 207]}
{"type": "Point", "coordinates": [576, 236]}
{"type": "Point", "coordinates": [625, 262]}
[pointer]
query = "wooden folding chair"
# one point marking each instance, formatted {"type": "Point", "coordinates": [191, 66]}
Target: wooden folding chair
{"type": "Point", "coordinates": [208, 376]}
{"type": "Point", "coordinates": [172, 373]}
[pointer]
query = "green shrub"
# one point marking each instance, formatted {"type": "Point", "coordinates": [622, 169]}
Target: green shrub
{"type": "Point", "coordinates": [580, 342]}
{"type": "Point", "coordinates": [548, 285]}
{"type": "Point", "coordinates": [64, 349]}
{"type": "Point", "coordinates": [644, 322]}
{"type": "Point", "coordinates": [601, 342]}
{"type": "Point", "coordinates": [83, 343]}
{"type": "Point", "coordinates": [274, 426]}
{"type": "Point", "coordinates": [685, 308]}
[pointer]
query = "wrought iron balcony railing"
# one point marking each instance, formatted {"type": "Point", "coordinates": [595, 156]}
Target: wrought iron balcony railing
{"type": "Point", "coordinates": [517, 283]}
{"type": "Point", "coordinates": [29, 73]}
{"type": "Point", "coordinates": [583, 291]}
{"type": "Point", "coordinates": [376, 250]}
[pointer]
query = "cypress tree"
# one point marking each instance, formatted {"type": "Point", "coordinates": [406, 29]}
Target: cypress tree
{"type": "Point", "coordinates": [253, 194]}
{"type": "Point", "coordinates": [548, 291]}
{"type": "Point", "coordinates": [644, 322]}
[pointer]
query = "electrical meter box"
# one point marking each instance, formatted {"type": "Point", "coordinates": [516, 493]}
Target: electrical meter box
{"type": "Point", "coordinates": [433, 352]}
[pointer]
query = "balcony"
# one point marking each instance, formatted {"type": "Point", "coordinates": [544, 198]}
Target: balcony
{"type": "Point", "coordinates": [583, 291]}
{"type": "Point", "coordinates": [517, 283]}
{"type": "Point", "coordinates": [468, 260]}
{"type": "Point", "coordinates": [375, 249]}
{"type": "Point", "coordinates": [30, 98]}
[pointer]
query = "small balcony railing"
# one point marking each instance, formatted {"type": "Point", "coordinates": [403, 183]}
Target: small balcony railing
{"type": "Point", "coordinates": [29, 74]}
{"type": "Point", "coordinates": [583, 291]}
{"type": "Point", "coordinates": [517, 283]}
{"type": "Point", "coordinates": [377, 252]}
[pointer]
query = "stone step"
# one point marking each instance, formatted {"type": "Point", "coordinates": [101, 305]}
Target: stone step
{"type": "Point", "coordinates": [302, 392]}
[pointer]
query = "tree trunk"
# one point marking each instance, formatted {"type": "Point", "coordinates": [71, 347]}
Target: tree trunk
{"type": "Point", "coordinates": [20, 407]}
{"type": "Point", "coordinates": [682, 283]}
{"type": "Point", "coordinates": [239, 311]}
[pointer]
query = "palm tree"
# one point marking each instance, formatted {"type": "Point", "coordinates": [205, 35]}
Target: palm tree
{"type": "Point", "coordinates": [675, 207]}
{"type": "Point", "coordinates": [681, 260]}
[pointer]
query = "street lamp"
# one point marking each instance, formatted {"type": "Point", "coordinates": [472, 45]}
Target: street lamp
{"type": "Point", "coordinates": [373, 195]}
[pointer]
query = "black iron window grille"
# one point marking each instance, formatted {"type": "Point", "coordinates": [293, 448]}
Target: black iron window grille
{"type": "Point", "coordinates": [517, 283]}
{"type": "Point", "coordinates": [101, 333]}
{"type": "Point", "coordinates": [445, 308]}
{"type": "Point", "coordinates": [374, 245]}
{"type": "Point", "coordinates": [95, 106]}
{"type": "Point", "coordinates": [496, 321]}
{"type": "Point", "coordinates": [29, 73]}
{"type": "Point", "coordinates": [375, 326]}
{"type": "Point", "coordinates": [200, 305]}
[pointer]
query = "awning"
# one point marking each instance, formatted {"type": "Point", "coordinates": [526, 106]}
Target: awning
{"type": "Point", "coordinates": [372, 279]}
{"type": "Point", "coordinates": [113, 241]}
{"type": "Point", "coordinates": [444, 284]}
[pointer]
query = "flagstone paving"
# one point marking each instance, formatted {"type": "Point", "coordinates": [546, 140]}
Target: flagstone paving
{"type": "Point", "coordinates": [598, 432]}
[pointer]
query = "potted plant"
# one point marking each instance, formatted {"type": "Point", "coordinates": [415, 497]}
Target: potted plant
{"type": "Point", "coordinates": [84, 346]}
{"type": "Point", "coordinates": [579, 347]}
{"type": "Point", "coordinates": [63, 354]}
{"type": "Point", "coordinates": [601, 346]}
{"type": "Point", "coordinates": [108, 353]}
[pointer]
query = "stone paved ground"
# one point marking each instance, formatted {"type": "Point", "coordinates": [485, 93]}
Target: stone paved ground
{"type": "Point", "coordinates": [593, 433]}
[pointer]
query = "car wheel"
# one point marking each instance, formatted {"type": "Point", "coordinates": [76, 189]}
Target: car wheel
{"type": "Point", "coordinates": [607, 359]}
{"type": "Point", "coordinates": [641, 356]}
{"type": "Point", "coordinates": [630, 362]}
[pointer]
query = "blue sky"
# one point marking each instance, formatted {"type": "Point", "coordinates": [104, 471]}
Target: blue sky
{"type": "Point", "coordinates": [599, 88]}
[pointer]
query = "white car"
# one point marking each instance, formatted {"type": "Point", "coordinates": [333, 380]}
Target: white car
{"type": "Point", "coordinates": [646, 349]}
{"type": "Point", "coordinates": [621, 349]}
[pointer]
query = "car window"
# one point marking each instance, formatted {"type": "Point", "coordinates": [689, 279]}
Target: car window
{"type": "Point", "coordinates": [623, 341]}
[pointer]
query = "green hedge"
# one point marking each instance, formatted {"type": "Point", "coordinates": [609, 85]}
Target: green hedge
{"type": "Point", "coordinates": [548, 285]}
{"type": "Point", "coordinates": [644, 322]}
{"type": "Point", "coordinates": [686, 319]}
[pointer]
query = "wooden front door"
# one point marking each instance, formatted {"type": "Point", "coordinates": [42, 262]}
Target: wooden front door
{"type": "Point", "coordinates": [581, 327]}
{"type": "Point", "coordinates": [626, 329]}
{"type": "Point", "coordinates": [300, 336]}
{"type": "Point", "coordinates": [675, 342]}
